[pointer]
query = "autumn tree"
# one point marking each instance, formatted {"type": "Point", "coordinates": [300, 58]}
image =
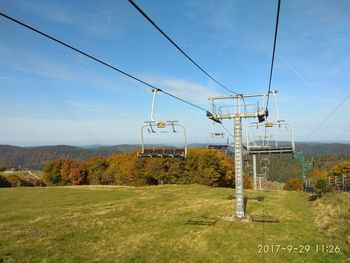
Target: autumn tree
{"type": "Point", "coordinates": [73, 173]}
{"type": "Point", "coordinates": [52, 172]}
{"type": "Point", "coordinates": [96, 169]}
{"type": "Point", "coordinates": [202, 166]}
{"type": "Point", "coordinates": [340, 168]}
{"type": "Point", "coordinates": [317, 174]}
{"type": "Point", "coordinates": [293, 184]}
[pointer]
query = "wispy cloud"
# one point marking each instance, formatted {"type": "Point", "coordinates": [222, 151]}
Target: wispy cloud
{"type": "Point", "coordinates": [222, 42]}
{"type": "Point", "coordinates": [218, 15]}
{"type": "Point", "coordinates": [2, 78]}
{"type": "Point", "coordinates": [185, 89]}
{"type": "Point", "coordinates": [97, 24]}
{"type": "Point", "coordinates": [72, 70]}
{"type": "Point", "coordinates": [43, 131]}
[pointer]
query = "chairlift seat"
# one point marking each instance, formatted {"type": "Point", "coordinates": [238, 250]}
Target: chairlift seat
{"type": "Point", "coordinates": [157, 127]}
{"type": "Point", "coordinates": [163, 153]}
{"type": "Point", "coordinates": [270, 138]}
{"type": "Point", "coordinates": [218, 141]}
{"type": "Point", "coordinates": [271, 150]}
{"type": "Point", "coordinates": [217, 146]}
{"type": "Point", "coordinates": [180, 153]}
{"type": "Point", "coordinates": [146, 153]}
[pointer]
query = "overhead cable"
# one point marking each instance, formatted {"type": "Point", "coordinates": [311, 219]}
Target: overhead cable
{"type": "Point", "coordinates": [223, 126]}
{"type": "Point", "coordinates": [327, 118]}
{"type": "Point", "coordinates": [273, 53]}
{"type": "Point", "coordinates": [98, 60]}
{"type": "Point", "coordinates": [176, 45]}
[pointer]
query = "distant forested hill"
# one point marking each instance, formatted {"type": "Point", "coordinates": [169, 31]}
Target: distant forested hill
{"type": "Point", "coordinates": [323, 148]}
{"type": "Point", "coordinates": [36, 157]}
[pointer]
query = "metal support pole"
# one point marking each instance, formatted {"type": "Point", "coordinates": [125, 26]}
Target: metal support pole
{"type": "Point", "coordinates": [237, 115]}
{"type": "Point", "coordinates": [302, 165]}
{"type": "Point", "coordinates": [154, 91]}
{"type": "Point", "coordinates": [302, 160]}
{"type": "Point", "coordinates": [239, 168]}
{"type": "Point", "coordinates": [260, 187]}
{"type": "Point", "coordinates": [254, 172]}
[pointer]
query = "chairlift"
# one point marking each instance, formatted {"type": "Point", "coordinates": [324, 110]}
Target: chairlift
{"type": "Point", "coordinates": [157, 130]}
{"type": "Point", "coordinates": [270, 137]}
{"type": "Point", "coordinates": [219, 141]}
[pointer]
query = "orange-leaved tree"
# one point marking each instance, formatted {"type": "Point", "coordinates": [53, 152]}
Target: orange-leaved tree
{"type": "Point", "coordinates": [73, 173]}
{"type": "Point", "coordinates": [317, 174]}
{"type": "Point", "coordinates": [293, 184]}
{"type": "Point", "coordinates": [52, 172]}
{"type": "Point", "coordinates": [340, 168]}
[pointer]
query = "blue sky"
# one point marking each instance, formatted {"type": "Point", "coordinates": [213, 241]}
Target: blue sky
{"type": "Point", "coordinates": [51, 95]}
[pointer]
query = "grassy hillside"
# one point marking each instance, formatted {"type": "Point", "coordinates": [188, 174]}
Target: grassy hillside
{"type": "Point", "coordinates": [24, 174]}
{"type": "Point", "coordinates": [21, 178]}
{"type": "Point", "coordinates": [148, 224]}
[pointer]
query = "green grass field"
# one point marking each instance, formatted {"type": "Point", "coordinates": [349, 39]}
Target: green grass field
{"type": "Point", "coordinates": [148, 224]}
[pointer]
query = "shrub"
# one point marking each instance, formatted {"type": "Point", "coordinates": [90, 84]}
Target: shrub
{"type": "Point", "coordinates": [247, 181]}
{"type": "Point", "coordinates": [150, 180]}
{"type": "Point", "coordinates": [107, 178]}
{"type": "Point", "coordinates": [322, 186]}
{"type": "Point", "coordinates": [17, 181]}
{"type": "Point", "coordinates": [293, 184]}
{"type": "Point", "coordinates": [4, 182]}
{"type": "Point", "coordinates": [36, 182]}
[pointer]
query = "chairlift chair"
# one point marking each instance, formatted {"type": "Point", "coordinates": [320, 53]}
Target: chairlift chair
{"type": "Point", "coordinates": [274, 137]}
{"type": "Point", "coordinates": [157, 129]}
{"type": "Point", "coordinates": [156, 151]}
{"type": "Point", "coordinates": [217, 140]}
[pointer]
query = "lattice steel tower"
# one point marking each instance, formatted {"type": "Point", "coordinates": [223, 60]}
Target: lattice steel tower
{"type": "Point", "coordinates": [237, 110]}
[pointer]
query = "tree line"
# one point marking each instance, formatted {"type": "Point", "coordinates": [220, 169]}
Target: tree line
{"type": "Point", "coordinates": [319, 175]}
{"type": "Point", "coordinates": [201, 166]}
